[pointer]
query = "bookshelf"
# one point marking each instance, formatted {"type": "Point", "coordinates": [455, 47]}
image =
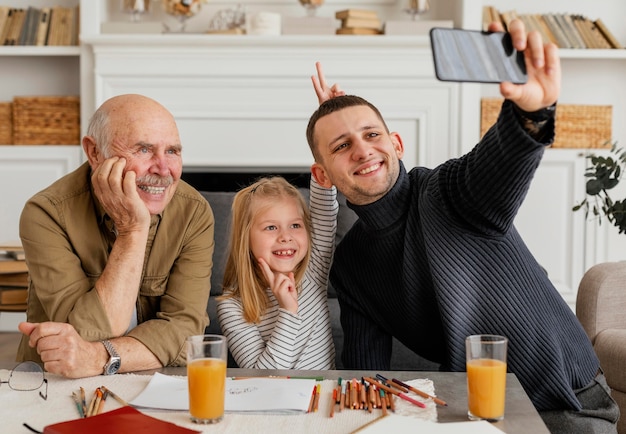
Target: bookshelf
{"type": "Point", "coordinates": [566, 247]}
{"type": "Point", "coordinates": [564, 242]}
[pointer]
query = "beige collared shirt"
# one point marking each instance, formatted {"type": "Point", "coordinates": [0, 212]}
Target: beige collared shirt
{"type": "Point", "coordinates": [67, 238]}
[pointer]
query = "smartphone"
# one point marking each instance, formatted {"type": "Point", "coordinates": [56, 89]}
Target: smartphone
{"type": "Point", "coordinates": [476, 56]}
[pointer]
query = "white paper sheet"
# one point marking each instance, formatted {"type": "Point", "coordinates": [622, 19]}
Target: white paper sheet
{"type": "Point", "coordinates": [252, 395]}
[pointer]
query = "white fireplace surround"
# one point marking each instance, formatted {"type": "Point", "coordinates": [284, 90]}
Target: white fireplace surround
{"type": "Point", "coordinates": [244, 103]}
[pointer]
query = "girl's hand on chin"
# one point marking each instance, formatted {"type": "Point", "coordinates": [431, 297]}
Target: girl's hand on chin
{"type": "Point", "coordinates": [283, 287]}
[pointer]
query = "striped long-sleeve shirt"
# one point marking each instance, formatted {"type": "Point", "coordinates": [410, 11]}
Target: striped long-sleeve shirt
{"type": "Point", "coordinates": [283, 340]}
{"type": "Point", "coordinates": [438, 259]}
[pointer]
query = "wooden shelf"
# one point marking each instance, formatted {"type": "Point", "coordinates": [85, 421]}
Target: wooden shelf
{"type": "Point", "coordinates": [36, 50]}
{"type": "Point", "coordinates": [605, 54]}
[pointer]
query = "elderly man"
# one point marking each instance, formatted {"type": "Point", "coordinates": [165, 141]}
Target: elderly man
{"type": "Point", "coordinates": [119, 251]}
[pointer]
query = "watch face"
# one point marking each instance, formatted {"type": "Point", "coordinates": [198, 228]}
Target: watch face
{"type": "Point", "coordinates": [114, 366]}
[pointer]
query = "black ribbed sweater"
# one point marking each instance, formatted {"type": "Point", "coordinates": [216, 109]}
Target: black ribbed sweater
{"type": "Point", "coordinates": [438, 259]}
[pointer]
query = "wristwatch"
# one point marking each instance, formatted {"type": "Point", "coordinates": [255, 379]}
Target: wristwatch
{"type": "Point", "coordinates": [113, 365]}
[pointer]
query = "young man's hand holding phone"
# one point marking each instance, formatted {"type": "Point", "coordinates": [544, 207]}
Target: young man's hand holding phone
{"type": "Point", "coordinates": [476, 56]}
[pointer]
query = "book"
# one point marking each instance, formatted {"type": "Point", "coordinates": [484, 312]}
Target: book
{"type": "Point", "coordinates": [42, 27]}
{"type": "Point", "coordinates": [607, 34]}
{"type": "Point", "coordinates": [570, 31]}
{"type": "Point", "coordinates": [17, 22]}
{"type": "Point", "coordinates": [507, 17]}
{"type": "Point", "coordinates": [14, 280]}
{"type": "Point", "coordinates": [4, 17]}
{"type": "Point", "coordinates": [4, 36]}
{"type": "Point", "coordinates": [368, 23]}
{"type": "Point", "coordinates": [357, 31]}
{"type": "Point", "coordinates": [54, 31]}
{"type": "Point", "coordinates": [13, 266]}
{"type": "Point", "coordinates": [584, 31]}
{"type": "Point", "coordinates": [557, 31]}
{"type": "Point", "coordinates": [596, 37]}
{"type": "Point", "coordinates": [575, 33]}
{"type": "Point", "coordinates": [28, 28]}
{"type": "Point", "coordinates": [545, 30]}
{"type": "Point", "coordinates": [355, 13]}
{"type": "Point", "coordinates": [12, 296]}
{"type": "Point", "coordinates": [123, 420]}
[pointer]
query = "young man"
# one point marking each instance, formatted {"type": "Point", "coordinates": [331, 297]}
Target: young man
{"type": "Point", "coordinates": [119, 251]}
{"type": "Point", "coordinates": [434, 256]}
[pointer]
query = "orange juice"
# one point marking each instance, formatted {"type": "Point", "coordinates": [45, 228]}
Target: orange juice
{"type": "Point", "coordinates": [486, 383]}
{"type": "Point", "coordinates": [207, 385]}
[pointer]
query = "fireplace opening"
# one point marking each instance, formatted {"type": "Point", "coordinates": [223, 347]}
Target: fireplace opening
{"type": "Point", "coordinates": [207, 180]}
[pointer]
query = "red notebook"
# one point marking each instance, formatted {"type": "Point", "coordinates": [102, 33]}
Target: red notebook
{"type": "Point", "coordinates": [121, 421]}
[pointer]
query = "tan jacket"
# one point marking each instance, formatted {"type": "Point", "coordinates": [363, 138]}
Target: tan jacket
{"type": "Point", "coordinates": [67, 238]}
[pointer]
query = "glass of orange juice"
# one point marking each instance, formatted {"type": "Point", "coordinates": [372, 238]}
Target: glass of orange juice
{"type": "Point", "coordinates": [486, 376]}
{"type": "Point", "coordinates": [206, 377]}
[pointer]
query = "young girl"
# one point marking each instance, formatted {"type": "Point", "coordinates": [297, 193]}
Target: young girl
{"type": "Point", "coordinates": [274, 310]}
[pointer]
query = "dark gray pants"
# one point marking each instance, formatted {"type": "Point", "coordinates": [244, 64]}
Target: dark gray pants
{"type": "Point", "coordinates": [598, 416]}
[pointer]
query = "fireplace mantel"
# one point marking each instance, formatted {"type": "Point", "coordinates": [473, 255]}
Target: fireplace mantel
{"type": "Point", "coordinates": [244, 101]}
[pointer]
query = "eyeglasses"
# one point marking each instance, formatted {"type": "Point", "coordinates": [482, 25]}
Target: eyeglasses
{"type": "Point", "coordinates": [27, 376]}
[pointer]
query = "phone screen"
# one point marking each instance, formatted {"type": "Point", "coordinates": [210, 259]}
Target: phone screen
{"type": "Point", "coordinates": [476, 56]}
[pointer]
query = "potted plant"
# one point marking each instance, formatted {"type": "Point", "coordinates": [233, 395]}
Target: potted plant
{"type": "Point", "coordinates": [603, 175]}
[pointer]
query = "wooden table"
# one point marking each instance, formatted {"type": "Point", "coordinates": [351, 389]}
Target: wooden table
{"type": "Point", "coordinates": [520, 415]}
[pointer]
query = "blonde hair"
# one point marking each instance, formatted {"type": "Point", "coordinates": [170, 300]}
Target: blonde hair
{"type": "Point", "coordinates": [243, 277]}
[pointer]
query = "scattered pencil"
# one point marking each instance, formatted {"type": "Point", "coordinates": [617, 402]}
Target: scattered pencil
{"type": "Point", "coordinates": [92, 403]}
{"type": "Point", "coordinates": [419, 392]}
{"type": "Point", "coordinates": [317, 397]}
{"type": "Point", "coordinates": [76, 399]}
{"type": "Point", "coordinates": [312, 400]}
{"type": "Point", "coordinates": [395, 392]}
{"type": "Point", "coordinates": [102, 400]}
{"type": "Point", "coordinates": [83, 402]}
{"type": "Point", "coordinates": [342, 400]}
{"type": "Point", "coordinates": [383, 401]}
{"type": "Point", "coordinates": [115, 396]}
{"type": "Point", "coordinates": [333, 402]}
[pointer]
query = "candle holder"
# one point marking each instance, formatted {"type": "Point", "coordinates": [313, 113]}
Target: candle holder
{"type": "Point", "coordinates": [135, 8]}
{"type": "Point", "coordinates": [311, 6]}
{"type": "Point", "coordinates": [417, 7]}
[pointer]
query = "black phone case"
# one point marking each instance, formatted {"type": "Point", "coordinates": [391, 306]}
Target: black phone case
{"type": "Point", "coordinates": [476, 56]}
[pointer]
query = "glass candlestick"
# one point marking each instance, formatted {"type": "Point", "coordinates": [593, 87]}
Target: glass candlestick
{"type": "Point", "coordinates": [135, 8]}
{"type": "Point", "coordinates": [311, 6]}
{"type": "Point", "coordinates": [417, 7]}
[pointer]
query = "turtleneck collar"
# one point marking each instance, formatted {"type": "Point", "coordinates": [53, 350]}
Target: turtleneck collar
{"type": "Point", "coordinates": [389, 209]}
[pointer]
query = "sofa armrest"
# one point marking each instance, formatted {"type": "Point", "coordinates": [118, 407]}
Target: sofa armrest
{"type": "Point", "coordinates": [601, 299]}
{"type": "Point", "coordinates": [610, 347]}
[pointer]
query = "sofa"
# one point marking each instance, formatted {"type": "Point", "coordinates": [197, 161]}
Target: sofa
{"type": "Point", "coordinates": [601, 309]}
{"type": "Point", "coordinates": [220, 201]}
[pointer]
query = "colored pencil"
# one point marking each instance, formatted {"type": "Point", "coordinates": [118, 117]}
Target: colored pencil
{"type": "Point", "coordinates": [333, 402]}
{"type": "Point", "coordinates": [420, 393]}
{"type": "Point", "coordinates": [342, 399]}
{"type": "Point", "coordinates": [395, 392]}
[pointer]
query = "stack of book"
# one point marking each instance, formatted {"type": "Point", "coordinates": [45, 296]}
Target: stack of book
{"type": "Point", "coordinates": [564, 30]}
{"type": "Point", "coordinates": [13, 285]}
{"type": "Point", "coordinates": [38, 26]}
{"type": "Point", "coordinates": [358, 22]}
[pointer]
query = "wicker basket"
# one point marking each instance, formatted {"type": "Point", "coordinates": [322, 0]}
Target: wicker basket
{"type": "Point", "coordinates": [46, 120]}
{"type": "Point", "coordinates": [6, 124]}
{"type": "Point", "coordinates": [577, 126]}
